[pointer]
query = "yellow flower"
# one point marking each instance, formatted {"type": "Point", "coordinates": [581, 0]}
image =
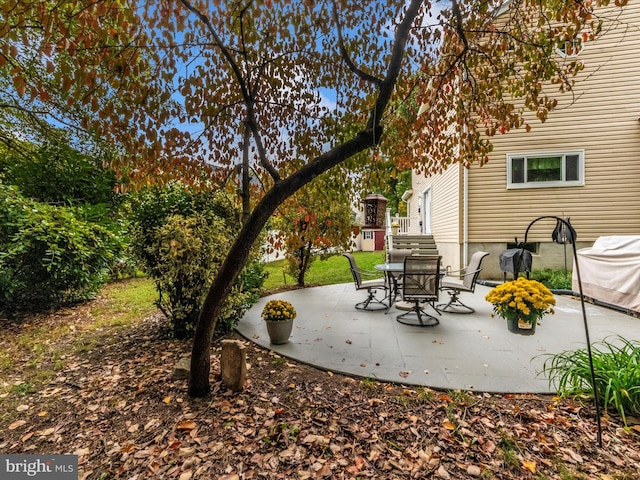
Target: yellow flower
{"type": "Point", "coordinates": [522, 298]}
{"type": "Point", "coordinates": [278, 310]}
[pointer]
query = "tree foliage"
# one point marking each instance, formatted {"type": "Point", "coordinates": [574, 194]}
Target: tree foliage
{"type": "Point", "coordinates": [181, 237]}
{"type": "Point", "coordinates": [61, 229]}
{"type": "Point", "coordinates": [289, 74]}
{"type": "Point", "coordinates": [315, 221]}
{"type": "Point", "coordinates": [48, 256]}
{"type": "Point", "coordinates": [73, 64]}
{"type": "Point", "coordinates": [57, 174]}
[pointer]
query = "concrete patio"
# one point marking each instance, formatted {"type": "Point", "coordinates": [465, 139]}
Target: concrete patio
{"type": "Point", "coordinates": [467, 352]}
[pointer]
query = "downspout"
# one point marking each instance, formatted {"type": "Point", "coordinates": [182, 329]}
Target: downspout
{"type": "Point", "coordinates": [465, 217]}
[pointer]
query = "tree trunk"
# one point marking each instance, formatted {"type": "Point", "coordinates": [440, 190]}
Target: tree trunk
{"type": "Point", "coordinates": [239, 253]}
{"type": "Point", "coordinates": [304, 256]}
{"type": "Point", "coordinates": [246, 178]}
{"type": "Point", "coordinates": [236, 259]}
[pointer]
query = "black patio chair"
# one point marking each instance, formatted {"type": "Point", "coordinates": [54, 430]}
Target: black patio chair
{"type": "Point", "coordinates": [420, 286]}
{"type": "Point", "coordinates": [462, 281]}
{"type": "Point", "coordinates": [372, 286]}
{"type": "Point", "coordinates": [397, 256]}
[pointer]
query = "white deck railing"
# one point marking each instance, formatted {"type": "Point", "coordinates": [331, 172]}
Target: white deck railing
{"type": "Point", "coordinates": [403, 222]}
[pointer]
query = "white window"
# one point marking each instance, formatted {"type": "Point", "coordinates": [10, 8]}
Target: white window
{"type": "Point", "coordinates": [367, 235]}
{"type": "Point", "coordinates": [570, 48]}
{"type": "Point", "coordinates": [558, 169]}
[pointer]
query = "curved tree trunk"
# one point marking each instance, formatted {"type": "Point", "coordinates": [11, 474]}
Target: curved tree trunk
{"type": "Point", "coordinates": [239, 253]}
{"type": "Point", "coordinates": [236, 259]}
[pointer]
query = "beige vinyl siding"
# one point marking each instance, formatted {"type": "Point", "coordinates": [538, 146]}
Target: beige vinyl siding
{"type": "Point", "coordinates": [445, 206]}
{"type": "Point", "coordinates": [603, 122]}
{"type": "Point", "coordinates": [418, 184]}
{"type": "Point", "coordinates": [446, 209]}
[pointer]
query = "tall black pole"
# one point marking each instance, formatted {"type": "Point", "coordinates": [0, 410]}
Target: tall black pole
{"type": "Point", "coordinates": [584, 314]}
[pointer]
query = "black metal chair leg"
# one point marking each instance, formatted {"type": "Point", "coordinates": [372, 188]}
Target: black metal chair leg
{"type": "Point", "coordinates": [454, 306]}
{"type": "Point", "coordinates": [377, 304]}
{"type": "Point", "coordinates": [423, 319]}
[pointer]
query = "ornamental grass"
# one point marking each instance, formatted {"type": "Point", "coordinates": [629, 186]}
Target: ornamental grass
{"type": "Point", "coordinates": [616, 364]}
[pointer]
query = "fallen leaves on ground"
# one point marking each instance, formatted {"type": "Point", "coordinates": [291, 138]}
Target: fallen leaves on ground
{"type": "Point", "coordinates": [118, 408]}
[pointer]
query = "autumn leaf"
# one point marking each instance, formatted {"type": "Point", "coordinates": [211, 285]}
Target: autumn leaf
{"type": "Point", "coordinates": [128, 448]}
{"type": "Point", "coordinates": [356, 467]}
{"type": "Point", "coordinates": [20, 84]}
{"type": "Point", "coordinates": [133, 428]}
{"type": "Point", "coordinates": [529, 465]}
{"type": "Point", "coordinates": [443, 473]}
{"type": "Point", "coordinates": [186, 425]}
{"type": "Point", "coordinates": [17, 424]}
{"type": "Point", "coordinates": [448, 425]}
{"type": "Point", "coordinates": [186, 475]}
{"type": "Point", "coordinates": [572, 456]}
{"type": "Point", "coordinates": [474, 470]}
{"type": "Point", "coordinates": [489, 447]}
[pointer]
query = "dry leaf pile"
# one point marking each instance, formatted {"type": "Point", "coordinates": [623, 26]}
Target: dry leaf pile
{"type": "Point", "coordinates": [118, 408]}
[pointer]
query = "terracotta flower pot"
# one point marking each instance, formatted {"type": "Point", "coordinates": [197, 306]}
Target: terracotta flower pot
{"type": "Point", "coordinates": [279, 331]}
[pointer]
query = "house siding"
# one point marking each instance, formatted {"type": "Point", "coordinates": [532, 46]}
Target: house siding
{"type": "Point", "coordinates": [601, 119]}
{"type": "Point", "coordinates": [603, 122]}
{"type": "Point", "coordinates": [445, 212]}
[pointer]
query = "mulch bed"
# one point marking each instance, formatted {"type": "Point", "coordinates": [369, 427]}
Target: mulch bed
{"type": "Point", "coordinates": [117, 406]}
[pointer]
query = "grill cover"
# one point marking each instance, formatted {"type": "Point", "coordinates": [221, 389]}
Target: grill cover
{"type": "Point", "coordinates": [610, 271]}
{"type": "Point", "coordinates": [515, 260]}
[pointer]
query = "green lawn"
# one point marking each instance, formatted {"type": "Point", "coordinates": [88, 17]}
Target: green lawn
{"type": "Point", "coordinates": [334, 269]}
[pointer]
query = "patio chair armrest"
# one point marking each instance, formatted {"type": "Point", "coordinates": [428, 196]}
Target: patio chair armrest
{"type": "Point", "coordinates": [372, 274]}
{"type": "Point", "coordinates": [457, 274]}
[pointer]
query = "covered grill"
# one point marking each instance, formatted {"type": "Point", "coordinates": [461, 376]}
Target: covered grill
{"type": "Point", "coordinates": [515, 260]}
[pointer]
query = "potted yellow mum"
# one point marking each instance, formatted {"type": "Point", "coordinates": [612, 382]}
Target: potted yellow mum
{"type": "Point", "coordinates": [279, 315]}
{"type": "Point", "coordinates": [522, 303]}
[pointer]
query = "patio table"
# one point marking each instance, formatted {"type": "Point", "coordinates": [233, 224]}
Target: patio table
{"type": "Point", "coordinates": [391, 270]}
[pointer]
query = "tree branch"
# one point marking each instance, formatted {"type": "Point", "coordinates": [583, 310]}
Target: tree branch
{"type": "Point", "coordinates": [345, 55]}
{"type": "Point", "coordinates": [246, 94]}
{"type": "Point", "coordinates": [395, 65]}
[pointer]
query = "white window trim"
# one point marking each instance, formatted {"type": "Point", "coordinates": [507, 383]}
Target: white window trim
{"type": "Point", "coordinates": [426, 211]}
{"type": "Point", "coordinates": [561, 183]}
{"type": "Point", "coordinates": [575, 52]}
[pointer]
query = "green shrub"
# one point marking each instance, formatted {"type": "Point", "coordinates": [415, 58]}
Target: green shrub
{"type": "Point", "coordinates": [182, 237]}
{"type": "Point", "coordinates": [553, 279]}
{"type": "Point", "coordinates": [617, 373]}
{"type": "Point", "coordinates": [57, 174]}
{"type": "Point", "coordinates": [48, 257]}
